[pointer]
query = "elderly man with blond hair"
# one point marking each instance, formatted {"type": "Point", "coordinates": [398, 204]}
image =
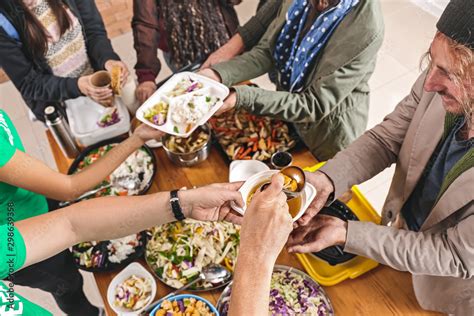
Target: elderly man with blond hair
{"type": "Point", "coordinates": [428, 216]}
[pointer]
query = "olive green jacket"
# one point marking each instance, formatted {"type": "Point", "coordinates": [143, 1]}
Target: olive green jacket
{"type": "Point", "coordinates": [332, 109]}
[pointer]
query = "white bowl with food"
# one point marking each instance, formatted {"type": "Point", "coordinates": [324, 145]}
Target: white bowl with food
{"type": "Point", "coordinates": [186, 101]}
{"type": "Point", "coordinates": [132, 290]}
{"type": "Point", "coordinates": [297, 206]}
{"type": "Point", "coordinates": [242, 170]}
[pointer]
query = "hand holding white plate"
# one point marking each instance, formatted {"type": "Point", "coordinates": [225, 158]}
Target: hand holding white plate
{"type": "Point", "coordinates": [183, 103]}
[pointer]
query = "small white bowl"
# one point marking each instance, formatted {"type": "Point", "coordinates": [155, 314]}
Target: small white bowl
{"type": "Point", "coordinates": [132, 269]}
{"type": "Point", "coordinates": [241, 170]}
{"type": "Point", "coordinates": [308, 194]}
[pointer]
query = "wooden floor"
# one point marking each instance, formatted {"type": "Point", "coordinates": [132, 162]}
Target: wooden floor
{"type": "Point", "coordinates": [117, 15]}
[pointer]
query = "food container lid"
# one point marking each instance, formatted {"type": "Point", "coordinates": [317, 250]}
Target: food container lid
{"type": "Point", "coordinates": [83, 114]}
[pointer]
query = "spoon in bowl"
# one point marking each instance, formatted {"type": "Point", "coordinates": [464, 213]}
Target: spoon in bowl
{"type": "Point", "coordinates": [124, 182]}
{"type": "Point", "coordinates": [297, 174]}
{"type": "Point", "coordinates": [294, 173]}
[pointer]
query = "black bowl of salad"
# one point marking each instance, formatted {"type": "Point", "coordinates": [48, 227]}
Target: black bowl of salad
{"type": "Point", "coordinates": [107, 255]}
{"type": "Point", "coordinates": [142, 164]}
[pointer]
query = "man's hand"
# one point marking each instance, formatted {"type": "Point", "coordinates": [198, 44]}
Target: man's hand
{"type": "Point", "coordinates": [324, 188]}
{"type": "Point", "coordinates": [267, 222]}
{"type": "Point", "coordinates": [322, 231]}
{"type": "Point", "coordinates": [229, 103]}
{"type": "Point", "coordinates": [235, 46]}
{"type": "Point", "coordinates": [145, 90]}
{"type": "Point", "coordinates": [109, 64]}
{"type": "Point", "coordinates": [212, 202]}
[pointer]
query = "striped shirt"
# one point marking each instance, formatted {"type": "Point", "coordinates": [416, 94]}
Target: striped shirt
{"type": "Point", "coordinates": [66, 54]}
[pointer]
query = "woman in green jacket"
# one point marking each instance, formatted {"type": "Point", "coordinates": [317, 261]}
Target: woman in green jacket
{"type": "Point", "coordinates": [324, 52]}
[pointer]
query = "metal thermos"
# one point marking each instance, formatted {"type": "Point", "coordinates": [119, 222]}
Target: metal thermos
{"type": "Point", "coordinates": [59, 127]}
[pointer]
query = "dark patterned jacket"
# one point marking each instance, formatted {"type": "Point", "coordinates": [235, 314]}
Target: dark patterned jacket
{"type": "Point", "coordinates": [33, 76]}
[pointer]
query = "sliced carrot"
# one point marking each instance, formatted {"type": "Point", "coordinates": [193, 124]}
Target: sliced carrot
{"type": "Point", "coordinates": [255, 146]}
{"type": "Point", "coordinates": [245, 153]}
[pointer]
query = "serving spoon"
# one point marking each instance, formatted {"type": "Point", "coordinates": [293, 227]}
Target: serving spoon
{"type": "Point", "coordinates": [212, 273]}
{"type": "Point", "coordinates": [296, 174]}
{"type": "Point", "coordinates": [127, 182]}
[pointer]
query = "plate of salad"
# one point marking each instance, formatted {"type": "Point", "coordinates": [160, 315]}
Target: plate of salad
{"type": "Point", "coordinates": [107, 255]}
{"type": "Point", "coordinates": [176, 252]}
{"type": "Point", "coordinates": [140, 164]}
{"type": "Point", "coordinates": [292, 292]}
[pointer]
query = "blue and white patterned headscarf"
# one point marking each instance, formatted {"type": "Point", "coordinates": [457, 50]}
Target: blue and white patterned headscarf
{"type": "Point", "coordinates": [294, 60]}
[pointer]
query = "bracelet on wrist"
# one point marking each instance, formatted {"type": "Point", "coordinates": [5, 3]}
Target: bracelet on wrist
{"type": "Point", "coordinates": [176, 206]}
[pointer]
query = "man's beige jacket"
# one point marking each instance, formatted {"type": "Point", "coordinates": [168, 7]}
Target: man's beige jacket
{"type": "Point", "coordinates": [441, 255]}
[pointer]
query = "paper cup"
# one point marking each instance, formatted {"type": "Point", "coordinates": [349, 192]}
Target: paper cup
{"type": "Point", "coordinates": [102, 79]}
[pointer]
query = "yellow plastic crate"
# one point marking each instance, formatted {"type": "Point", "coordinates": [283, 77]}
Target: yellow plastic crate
{"type": "Point", "coordinates": [329, 275]}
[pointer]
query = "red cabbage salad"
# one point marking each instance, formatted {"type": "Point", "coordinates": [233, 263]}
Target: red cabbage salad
{"type": "Point", "coordinates": [291, 294]}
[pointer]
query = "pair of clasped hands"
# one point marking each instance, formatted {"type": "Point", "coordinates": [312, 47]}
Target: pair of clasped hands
{"type": "Point", "coordinates": [268, 226]}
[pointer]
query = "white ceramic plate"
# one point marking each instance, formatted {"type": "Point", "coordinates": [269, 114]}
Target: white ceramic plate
{"type": "Point", "coordinates": [241, 170]}
{"type": "Point", "coordinates": [308, 195]}
{"type": "Point", "coordinates": [132, 269]}
{"type": "Point", "coordinates": [210, 87]}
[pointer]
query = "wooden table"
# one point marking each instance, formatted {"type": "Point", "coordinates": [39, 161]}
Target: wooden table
{"type": "Point", "coordinates": [382, 291]}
